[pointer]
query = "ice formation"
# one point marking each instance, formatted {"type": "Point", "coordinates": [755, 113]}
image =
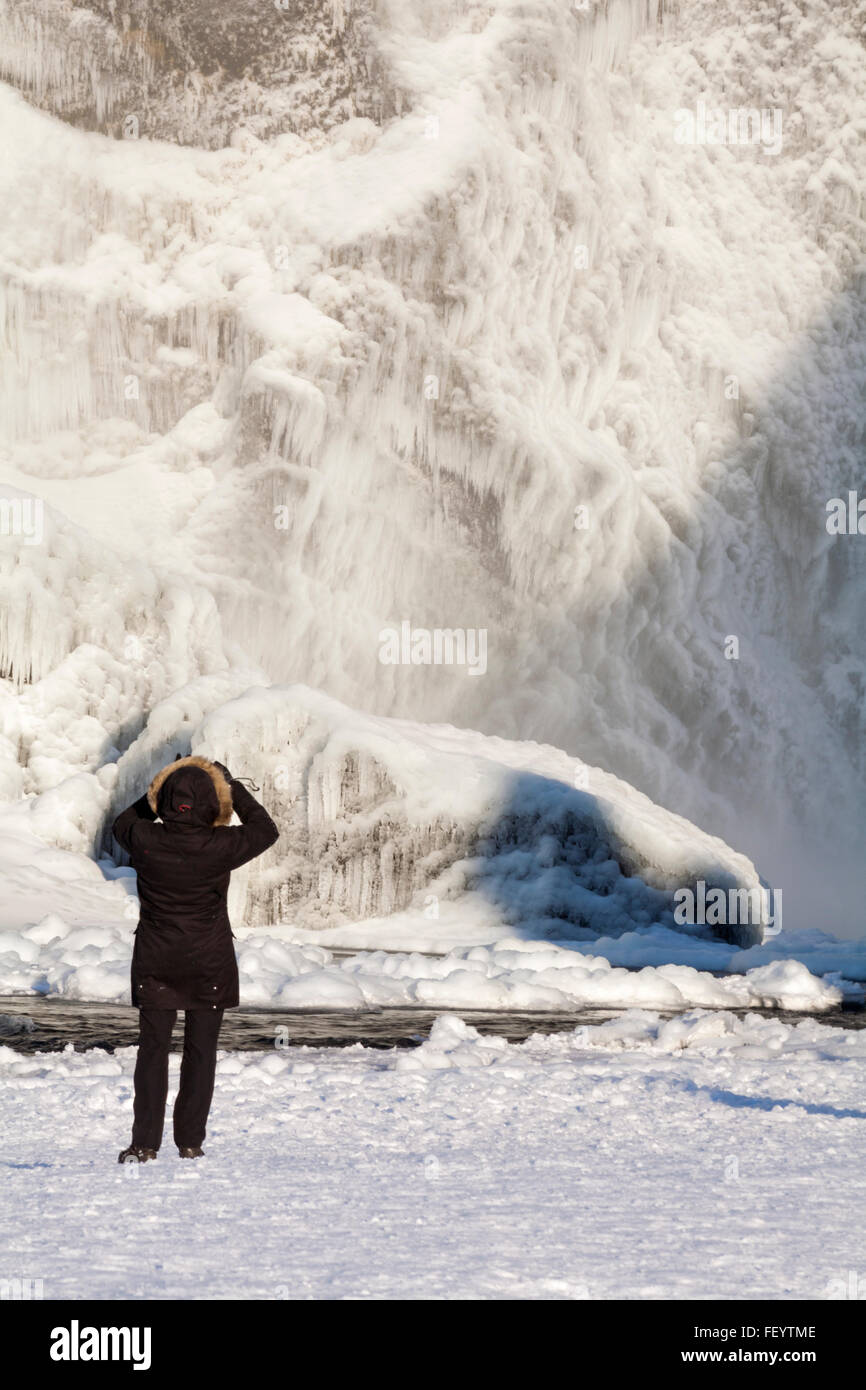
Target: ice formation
{"type": "Point", "coordinates": [378, 815]}
{"type": "Point", "coordinates": [477, 344]}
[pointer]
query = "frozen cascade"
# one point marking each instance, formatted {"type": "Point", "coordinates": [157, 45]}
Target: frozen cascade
{"type": "Point", "coordinates": [424, 329]}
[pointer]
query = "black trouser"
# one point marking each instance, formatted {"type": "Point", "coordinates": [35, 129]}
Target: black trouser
{"type": "Point", "coordinates": [197, 1071]}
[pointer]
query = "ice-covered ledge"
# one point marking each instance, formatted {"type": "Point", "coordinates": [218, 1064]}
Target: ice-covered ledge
{"type": "Point", "coordinates": [379, 815]}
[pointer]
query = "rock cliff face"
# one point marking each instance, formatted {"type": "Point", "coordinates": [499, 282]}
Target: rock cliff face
{"type": "Point", "coordinates": [195, 72]}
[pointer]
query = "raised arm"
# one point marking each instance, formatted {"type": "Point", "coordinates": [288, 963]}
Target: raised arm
{"type": "Point", "coordinates": [128, 819]}
{"type": "Point", "coordinates": [257, 833]}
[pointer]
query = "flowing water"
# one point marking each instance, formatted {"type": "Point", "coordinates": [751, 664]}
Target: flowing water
{"type": "Point", "coordinates": [59, 1023]}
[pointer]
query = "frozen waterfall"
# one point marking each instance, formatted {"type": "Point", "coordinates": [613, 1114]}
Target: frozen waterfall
{"type": "Point", "coordinates": [424, 314]}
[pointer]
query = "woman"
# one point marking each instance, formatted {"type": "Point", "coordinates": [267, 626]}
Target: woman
{"type": "Point", "coordinates": [183, 956]}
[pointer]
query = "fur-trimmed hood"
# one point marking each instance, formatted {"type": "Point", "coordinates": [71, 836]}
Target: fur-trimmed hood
{"type": "Point", "coordinates": [192, 791]}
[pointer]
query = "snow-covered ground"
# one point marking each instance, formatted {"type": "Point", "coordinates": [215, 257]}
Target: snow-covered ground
{"type": "Point", "coordinates": [704, 1157]}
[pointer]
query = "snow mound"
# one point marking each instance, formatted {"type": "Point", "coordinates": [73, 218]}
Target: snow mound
{"type": "Point", "coordinates": [453, 1043]}
{"type": "Point", "coordinates": [715, 1033]}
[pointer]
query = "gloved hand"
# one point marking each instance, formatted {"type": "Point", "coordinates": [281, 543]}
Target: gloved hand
{"type": "Point", "coordinates": [224, 770]}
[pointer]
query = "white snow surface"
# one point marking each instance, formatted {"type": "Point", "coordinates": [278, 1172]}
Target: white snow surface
{"type": "Point", "coordinates": [701, 1157]}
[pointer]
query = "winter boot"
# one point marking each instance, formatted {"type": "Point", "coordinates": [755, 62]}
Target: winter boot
{"type": "Point", "coordinates": [195, 1152]}
{"type": "Point", "coordinates": [136, 1154]}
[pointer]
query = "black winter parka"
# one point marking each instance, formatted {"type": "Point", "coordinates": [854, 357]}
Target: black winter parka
{"type": "Point", "coordinates": [183, 956]}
